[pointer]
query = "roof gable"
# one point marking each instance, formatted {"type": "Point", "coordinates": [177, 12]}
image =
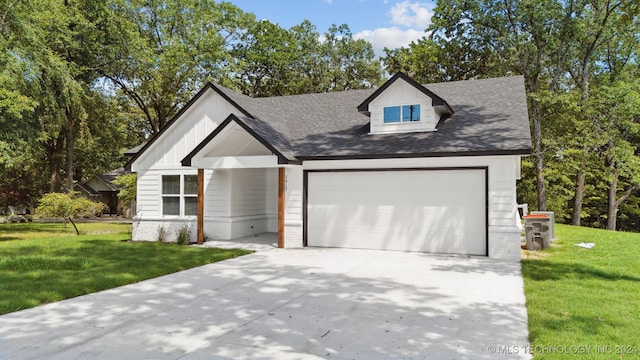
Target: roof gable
{"type": "Point", "coordinates": [248, 124]}
{"type": "Point", "coordinates": [436, 100]}
{"type": "Point", "coordinates": [141, 149]}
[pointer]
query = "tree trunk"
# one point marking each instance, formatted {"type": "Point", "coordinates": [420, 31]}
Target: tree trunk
{"type": "Point", "coordinates": [538, 155]}
{"type": "Point", "coordinates": [69, 148]}
{"type": "Point", "coordinates": [612, 201]}
{"type": "Point", "coordinates": [54, 149]}
{"type": "Point", "coordinates": [74, 225]}
{"type": "Point", "coordinates": [579, 196]}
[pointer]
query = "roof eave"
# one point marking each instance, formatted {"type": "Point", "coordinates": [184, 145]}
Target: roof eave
{"type": "Point", "coordinates": [523, 151]}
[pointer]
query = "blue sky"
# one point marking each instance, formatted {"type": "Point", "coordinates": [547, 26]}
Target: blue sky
{"type": "Point", "coordinates": [390, 23]}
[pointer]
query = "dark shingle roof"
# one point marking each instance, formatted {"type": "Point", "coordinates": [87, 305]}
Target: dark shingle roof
{"type": "Point", "coordinates": [490, 117]}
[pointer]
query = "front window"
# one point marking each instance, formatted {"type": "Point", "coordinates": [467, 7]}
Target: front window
{"type": "Point", "coordinates": [405, 113]}
{"type": "Point", "coordinates": [180, 195]}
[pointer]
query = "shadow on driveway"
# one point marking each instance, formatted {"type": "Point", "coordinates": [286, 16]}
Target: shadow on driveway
{"type": "Point", "coordinates": [289, 304]}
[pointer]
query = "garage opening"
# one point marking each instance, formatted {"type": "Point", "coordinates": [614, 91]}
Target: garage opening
{"type": "Point", "coordinates": [428, 210]}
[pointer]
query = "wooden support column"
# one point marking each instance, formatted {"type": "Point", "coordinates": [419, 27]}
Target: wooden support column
{"type": "Point", "coordinates": [200, 206]}
{"type": "Point", "coordinates": [281, 191]}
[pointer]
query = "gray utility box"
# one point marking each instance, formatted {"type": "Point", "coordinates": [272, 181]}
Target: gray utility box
{"type": "Point", "coordinates": [537, 231]}
{"type": "Point", "coordinates": [552, 217]}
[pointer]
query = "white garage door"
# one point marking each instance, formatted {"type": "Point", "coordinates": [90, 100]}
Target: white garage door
{"type": "Point", "coordinates": [441, 211]}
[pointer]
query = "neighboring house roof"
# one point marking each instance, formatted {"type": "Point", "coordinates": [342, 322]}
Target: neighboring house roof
{"type": "Point", "coordinates": [488, 117]}
{"type": "Point", "coordinates": [85, 189]}
{"type": "Point", "coordinates": [105, 179]}
{"type": "Point", "coordinates": [134, 150]}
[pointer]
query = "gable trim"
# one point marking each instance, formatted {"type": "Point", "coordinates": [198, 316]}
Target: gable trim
{"type": "Point", "coordinates": [435, 99]}
{"type": "Point", "coordinates": [233, 118]}
{"type": "Point", "coordinates": [187, 106]}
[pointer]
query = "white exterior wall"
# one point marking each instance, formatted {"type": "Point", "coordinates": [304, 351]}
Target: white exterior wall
{"type": "Point", "coordinates": [185, 134]}
{"type": "Point", "coordinates": [224, 219]}
{"type": "Point", "coordinates": [398, 94]}
{"type": "Point", "coordinates": [293, 207]}
{"type": "Point", "coordinates": [271, 201]}
{"type": "Point", "coordinates": [504, 234]}
{"type": "Point", "coordinates": [238, 202]}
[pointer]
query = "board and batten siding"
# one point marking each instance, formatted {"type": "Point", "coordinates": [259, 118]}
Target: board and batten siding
{"type": "Point", "coordinates": [503, 218]}
{"type": "Point", "coordinates": [398, 94]}
{"type": "Point", "coordinates": [186, 133]}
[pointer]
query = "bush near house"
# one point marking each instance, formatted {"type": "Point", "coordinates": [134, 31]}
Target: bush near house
{"type": "Point", "coordinates": [584, 297]}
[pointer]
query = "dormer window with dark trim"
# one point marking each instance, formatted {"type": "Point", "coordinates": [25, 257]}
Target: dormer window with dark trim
{"type": "Point", "coordinates": [406, 113]}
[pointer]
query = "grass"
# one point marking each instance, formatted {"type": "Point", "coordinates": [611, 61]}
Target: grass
{"type": "Point", "coordinates": [42, 263]}
{"type": "Point", "coordinates": [32, 230]}
{"type": "Point", "coordinates": [584, 302]}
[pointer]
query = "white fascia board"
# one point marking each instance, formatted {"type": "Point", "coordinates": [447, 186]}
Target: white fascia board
{"type": "Point", "coordinates": [236, 162]}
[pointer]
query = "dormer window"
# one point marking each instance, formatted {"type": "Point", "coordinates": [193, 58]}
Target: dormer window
{"type": "Point", "coordinates": [402, 105]}
{"type": "Point", "coordinates": [406, 113]}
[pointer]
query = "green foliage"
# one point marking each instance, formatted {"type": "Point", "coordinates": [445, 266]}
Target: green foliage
{"type": "Point", "coordinates": [270, 60]}
{"type": "Point", "coordinates": [82, 81]}
{"type": "Point", "coordinates": [128, 182]}
{"type": "Point", "coordinates": [60, 205]}
{"type": "Point", "coordinates": [162, 235]}
{"type": "Point", "coordinates": [580, 64]}
{"type": "Point", "coordinates": [183, 235]}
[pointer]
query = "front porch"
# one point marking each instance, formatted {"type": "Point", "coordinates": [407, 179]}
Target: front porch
{"type": "Point", "coordinates": [245, 189]}
{"type": "Point", "coordinates": [259, 242]}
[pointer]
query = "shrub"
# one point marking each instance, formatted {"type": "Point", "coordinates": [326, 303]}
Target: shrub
{"type": "Point", "coordinates": [67, 207]}
{"type": "Point", "coordinates": [162, 235]}
{"type": "Point", "coordinates": [183, 235]}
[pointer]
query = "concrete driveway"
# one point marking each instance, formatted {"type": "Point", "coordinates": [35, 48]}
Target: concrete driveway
{"type": "Point", "coordinates": [290, 304]}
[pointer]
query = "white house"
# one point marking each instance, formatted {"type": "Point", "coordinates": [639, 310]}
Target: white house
{"type": "Point", "coordinates": [404, 167]}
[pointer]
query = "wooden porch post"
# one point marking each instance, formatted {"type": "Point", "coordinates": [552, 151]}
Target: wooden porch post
{"type": "Point", "coordinates": [281, 190]}
{"type": "Point", "coordinates": [200, 206]}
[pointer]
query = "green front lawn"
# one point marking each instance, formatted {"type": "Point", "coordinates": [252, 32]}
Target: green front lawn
{"type": "Point", "coordinates": [42, 263]}
{"type": "Point", "coordinates": [583, 300]}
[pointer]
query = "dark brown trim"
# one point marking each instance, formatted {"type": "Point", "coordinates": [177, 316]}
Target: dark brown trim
{"type": "Point", "coordinates": [281, 194]}
{"type": "Point", "coordinates": [416, 155]}
{"type": "Point", "coordinates": [232, 118]}
{"type": "Point", "coordinates": [486, 211]}
{"type": "Point", "coordinates": [200, 224]}
{"type": "Point", "coordinates": [435, 99]}
{"type": "Point", "coordinates": [186, 107]}
{"type": "Point", "coordinates": [305, 192]}
{"type": "Point", "coordinates": [305, 207]}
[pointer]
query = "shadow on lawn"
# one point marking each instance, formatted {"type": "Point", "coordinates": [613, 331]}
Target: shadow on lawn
{"type": "Point", "coordinates": [540, 270]}
{"type": "Point", "coordinates": [92, 265]}
{"type": "Point", "coordinates": [8, 231]}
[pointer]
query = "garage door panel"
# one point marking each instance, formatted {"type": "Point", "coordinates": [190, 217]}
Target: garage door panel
{"type": "Point", "coordinates": [418, 210]}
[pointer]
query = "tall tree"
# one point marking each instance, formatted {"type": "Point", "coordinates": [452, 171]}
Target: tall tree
{"type": "Point", "coordinates": [164, 50]}
{"type": "Point", "coordinates": [271, 61]}
{"type": "Point", "coordinates": [497, 38]}
{"type": "Point", "coordinates": [595, 24]}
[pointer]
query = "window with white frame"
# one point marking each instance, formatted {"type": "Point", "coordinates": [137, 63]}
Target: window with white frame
{"type": "Point", "coordinates": [405, 113]}
{"type": "Point", "coordinates": [180, 195]}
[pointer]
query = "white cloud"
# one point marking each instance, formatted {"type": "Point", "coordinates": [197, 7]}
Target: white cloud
{"type": "Point", "coordinates": [392, 38]}
{"type": "Point", "coordinates": [411, 14]}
